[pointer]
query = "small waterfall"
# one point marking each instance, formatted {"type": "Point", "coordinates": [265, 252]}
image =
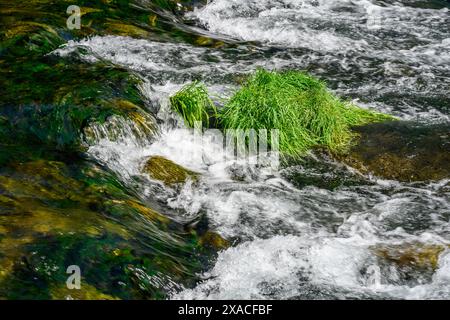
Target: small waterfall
{"type": "Point", "coordinates": [138, 129]}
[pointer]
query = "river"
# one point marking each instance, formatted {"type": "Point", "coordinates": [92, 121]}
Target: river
{"type": "Point", "coordinates": [369, 239]}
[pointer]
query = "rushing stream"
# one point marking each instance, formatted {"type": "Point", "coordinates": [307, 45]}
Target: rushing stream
{"type": "Point", "coordinates": [288, 239]}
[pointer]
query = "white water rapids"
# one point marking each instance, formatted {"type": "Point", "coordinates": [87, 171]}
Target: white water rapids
{"type": "Point", "coordinates": [298, 242]}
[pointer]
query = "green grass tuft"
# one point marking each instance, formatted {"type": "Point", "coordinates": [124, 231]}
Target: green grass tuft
{"type": "Point", "coordinates": [300, 106]}
{"type": "Point", "coordinates": [193, 104]}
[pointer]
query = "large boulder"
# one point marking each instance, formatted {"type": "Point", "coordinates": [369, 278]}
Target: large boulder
{"type": "Point", "coordinates": [402, 151]}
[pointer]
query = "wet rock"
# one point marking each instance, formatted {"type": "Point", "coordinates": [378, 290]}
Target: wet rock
{"type": "Point", "coordinates": [214, 240]}
{"type": "Point", "coordinates": [51, 103]}
{"type": "Point", "coordinates": [408, 264]}
{"type": "Point", "coordinates": [132, 120]}
{"type": "Point", "coordinates": [162, 169]}
{"type": "Point", "coordinates": [87, 292]}
{"type": "Point", "coordinates": [419, 256]}
{"type": "Point", "coordinates": [81, 213]}
{"type": "Point", "coordinates": [123, 29]}
{"type": "Point", "coordinates": [322, 172]}
{"type": "Point", "coordinates": [242, 172]}
{"type": "Point", "coordinates": [402, 151]}
{"type": "Point", "coordinates": [110, 269]}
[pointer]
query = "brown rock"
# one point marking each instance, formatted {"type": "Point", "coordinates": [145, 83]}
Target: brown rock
{"type": "Point", "coordinates": [167, 171]}
{"type": "Point", "coordinates": [402, 151]}
{"type": "Point", "coordinates": [416, 255]}
{"type": "Point", "coordinates": [214, 240]}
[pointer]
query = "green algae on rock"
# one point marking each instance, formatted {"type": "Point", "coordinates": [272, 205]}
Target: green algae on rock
{"type": "Point", "coordinates": [39, 27]}
{"type": "Point", "coordinates": [51, 102]}
{"type": "Point", "coordinates": [162, 169]}
{"type": "Point", "coordinates": [80, 214]}
{"type": "Point", "coordinates": [56, 207]}
{"type": "Point", "coordinates": [414, 254]}
{"type": "Point", "coordinates": [108, 264]}
{"type": "Point", "coordinates": [86, 292]}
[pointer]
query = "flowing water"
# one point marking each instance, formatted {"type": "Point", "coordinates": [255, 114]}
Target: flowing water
{"type": "Point", "coordinates": [371, 238]}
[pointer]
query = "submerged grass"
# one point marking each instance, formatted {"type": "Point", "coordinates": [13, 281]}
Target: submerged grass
{"type": "Point", "coordinates": [193, 104]}
{"type": "Point", "coordinates": [306, 114]}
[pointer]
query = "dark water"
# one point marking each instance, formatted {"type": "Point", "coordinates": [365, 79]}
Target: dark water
{"type": "Point", "coordinates": [85, 109]}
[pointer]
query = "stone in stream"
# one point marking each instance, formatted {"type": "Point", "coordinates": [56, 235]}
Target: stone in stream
{"type": "Point", "coordinates": [87, 292]}
{"type": "Point", "coordinates": [420, 256]}
{"type": "Point", "coordinates": [409, 264]}
{"type": "Point", "coordinates": [402, 151]}
{"type": "Point", "coordinates": [167, 171]}
{"type": "Point", "coordinates": [214, 240]}
{"type": "Point", "coordinates": [323, 172]}
{"type": "Point", "coordinates": [55, 215]}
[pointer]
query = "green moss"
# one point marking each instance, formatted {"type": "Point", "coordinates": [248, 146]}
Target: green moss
{"type": "Point", "coordinates": [39, 26]}
{"type": "Point", "coordinates": [50, 99]}
{"type": "Point", "coordinates": [50, 102]}
{"type": "Point", "coordinates": [55, 215]}
{"type": "Point", "coordinates": [58, 208]}
{"type": "Point", "coordinates": [29, 39]}
{"type": "Point", "coordinates": [306, 114]}
{"type": "Point", "coordinates": [193, 104]}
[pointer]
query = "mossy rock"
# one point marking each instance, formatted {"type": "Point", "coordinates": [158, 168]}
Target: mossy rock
{"type": "Point", "coordinates": [50, 101]}
{"type": "Point", "coordinates": [40, 26]}
{"type": "Point", "coordinates": [58, 208]}
{"type": "Point", "coordinates": [86, 292]}
{"type": "Point", "coordinates": [418, 255]}
{"type": "Point", "coordinates": [122, 29]}
{"type": "Point", "coordinates": [408, 264]}
{"type": "Point", "coordinates": [167, 171]}
{"type": "Point", "coordinates": [81, 214]}
{"type": "Point", "coordinates": [402, 151]}
{"type": "Point", "coordinates": [45, 198]}
{"type": "Point", "coordinates": [214, 240]}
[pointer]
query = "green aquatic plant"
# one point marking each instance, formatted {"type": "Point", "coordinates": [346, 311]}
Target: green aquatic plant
{"type": "Point", "coordinates": [300, 106]}
{"type": "Point", "coordinates": [193, 104]}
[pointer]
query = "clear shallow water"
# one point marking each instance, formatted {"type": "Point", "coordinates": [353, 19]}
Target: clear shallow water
{"type": "Point", "coordinates": [290, 242]}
